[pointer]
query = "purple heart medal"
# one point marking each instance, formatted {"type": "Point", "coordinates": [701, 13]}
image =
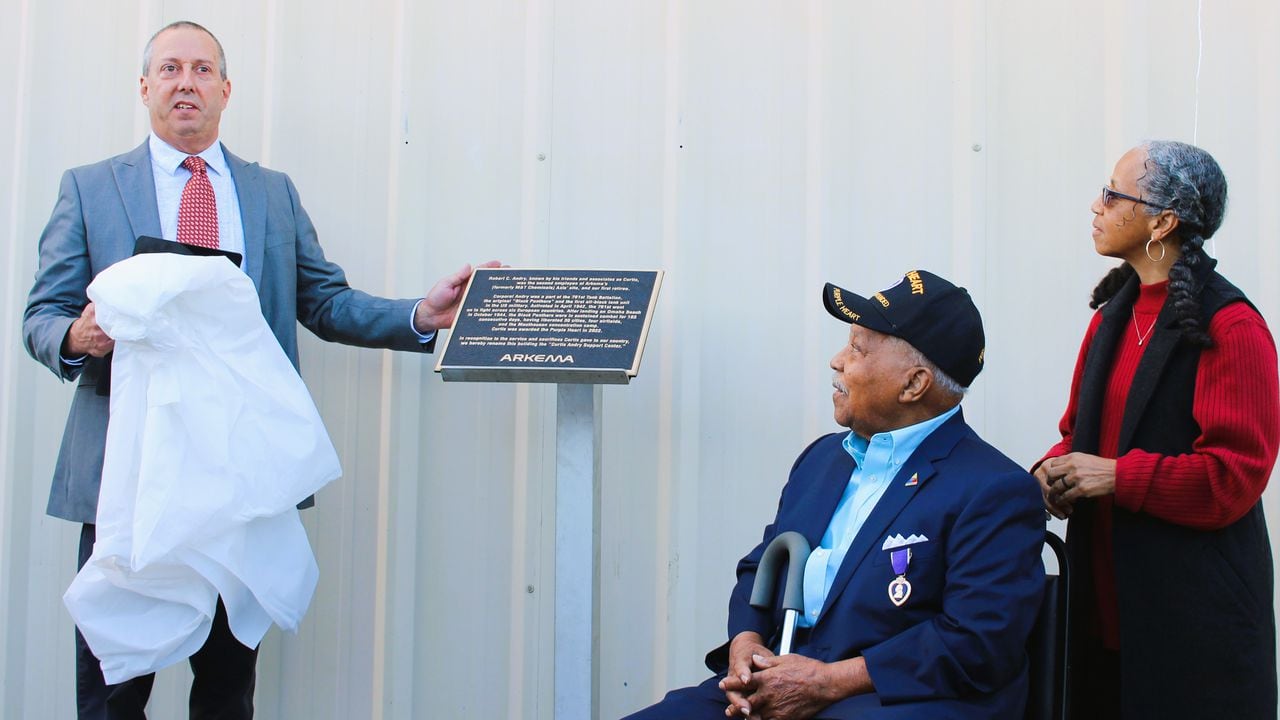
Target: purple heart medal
{"type": "Point", "coordinates": [900, 588]}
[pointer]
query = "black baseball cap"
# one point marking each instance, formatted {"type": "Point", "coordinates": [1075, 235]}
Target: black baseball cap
{"type": "Point", "coordinates": [938, 318]}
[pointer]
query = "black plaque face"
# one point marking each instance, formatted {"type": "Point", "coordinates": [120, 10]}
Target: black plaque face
{"type": "Point", "coordinates": [523, 325]}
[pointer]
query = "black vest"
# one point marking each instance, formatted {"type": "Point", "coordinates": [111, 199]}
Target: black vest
{"type": "Point", "coordinates": [1197, 625]}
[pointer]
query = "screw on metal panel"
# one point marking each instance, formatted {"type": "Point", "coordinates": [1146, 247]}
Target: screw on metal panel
{"type": "Point", "coordinates": [542, 156]}
{"type": "Point", "coordinates": [977, 147]}
{"type": "Point", "coordinates": [528, 589]}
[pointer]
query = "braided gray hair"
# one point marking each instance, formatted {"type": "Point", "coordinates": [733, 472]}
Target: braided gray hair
{"type": "Point", "coordinates": [1189, 182]}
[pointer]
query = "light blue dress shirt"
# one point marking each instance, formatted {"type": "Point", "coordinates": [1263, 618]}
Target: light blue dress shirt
{"type": "Point", "coordinates": [171, 177]}
{"type": "Point", "coordinates": [876, 463]}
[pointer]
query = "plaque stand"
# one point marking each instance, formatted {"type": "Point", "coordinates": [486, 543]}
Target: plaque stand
{"type": "Point", "coordinates": [578, 329]}
{"type": "Point", "coordinates": [577, 590]}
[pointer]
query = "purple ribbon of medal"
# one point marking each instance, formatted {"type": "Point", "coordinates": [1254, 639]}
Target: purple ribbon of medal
{"type": "Point", "coordinates": [900, 588]}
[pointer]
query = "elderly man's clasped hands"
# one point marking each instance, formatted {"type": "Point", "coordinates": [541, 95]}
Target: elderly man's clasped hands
{"type": "Point", "coordinates": [763, 686]}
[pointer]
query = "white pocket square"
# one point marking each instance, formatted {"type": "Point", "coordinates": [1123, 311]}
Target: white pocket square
{"type": "Point", "coordinates": [897, 541]}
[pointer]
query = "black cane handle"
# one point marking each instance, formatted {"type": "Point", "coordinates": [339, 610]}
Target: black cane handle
{"type": "Point", "coordinates": [792, 549]}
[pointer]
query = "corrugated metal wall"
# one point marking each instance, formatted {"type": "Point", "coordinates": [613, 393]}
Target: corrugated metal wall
{"type": "Point", "coordinates": [752, 149]}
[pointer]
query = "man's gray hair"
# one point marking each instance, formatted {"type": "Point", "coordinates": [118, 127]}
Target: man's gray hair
{"type": "Point", "coordinates": [146, 52]}
{"type": "Point", "coordinates": [945, 382]}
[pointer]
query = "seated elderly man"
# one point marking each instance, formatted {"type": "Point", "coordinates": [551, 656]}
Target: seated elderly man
{"type": "Point", "coordinates": [925, 577]}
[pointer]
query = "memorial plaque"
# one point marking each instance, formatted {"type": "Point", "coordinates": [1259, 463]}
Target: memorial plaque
{"type": "Point", "coordinates": [561, 326]}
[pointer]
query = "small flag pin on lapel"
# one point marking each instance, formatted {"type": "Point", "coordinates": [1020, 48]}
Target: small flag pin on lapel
{"type": "Point", "coordinates": [915, 480]}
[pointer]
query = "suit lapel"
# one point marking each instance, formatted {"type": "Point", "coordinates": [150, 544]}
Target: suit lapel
{"type": "Point", "coordinates": [895, 498]}
{"type": "Point", "coordinates": [825, 494]}
{"type": "Point", "coordinates": [137, 188]}
{"type": "Point", "coordinates": [253, 211]}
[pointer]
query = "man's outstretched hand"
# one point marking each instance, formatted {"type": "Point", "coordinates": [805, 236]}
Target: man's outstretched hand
{"type": "Point", "coordinates": [438, 308]}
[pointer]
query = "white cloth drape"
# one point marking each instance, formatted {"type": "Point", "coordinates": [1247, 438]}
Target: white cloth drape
{"type": "Point", "coordinates": [212, 441]}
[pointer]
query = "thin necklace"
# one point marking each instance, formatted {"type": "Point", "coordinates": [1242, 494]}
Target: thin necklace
{"type": "Point", "coordinates": [1142, 335]}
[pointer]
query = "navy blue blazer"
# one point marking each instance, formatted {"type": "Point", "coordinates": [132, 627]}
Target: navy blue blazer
{"type": "Point", "coordinates": [957, 647]}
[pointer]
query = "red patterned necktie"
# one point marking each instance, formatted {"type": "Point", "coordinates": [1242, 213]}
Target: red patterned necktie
{"type": "Point", "coordinates": [198, 210]}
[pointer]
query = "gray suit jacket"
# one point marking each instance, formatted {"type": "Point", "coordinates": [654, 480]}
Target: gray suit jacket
{"type": "Point", "coordinates": [101, 210]}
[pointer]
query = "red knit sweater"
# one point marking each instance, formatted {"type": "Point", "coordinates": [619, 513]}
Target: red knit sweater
{"type": "Point", "coordinates": [1237, 406]}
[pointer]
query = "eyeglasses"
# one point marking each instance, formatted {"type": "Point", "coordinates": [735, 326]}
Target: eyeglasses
{"type": "Point", "coordinates": [1108, 195]}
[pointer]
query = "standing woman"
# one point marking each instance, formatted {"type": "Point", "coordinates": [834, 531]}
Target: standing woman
{"type": "Point", "coordinates": [1168, 440]}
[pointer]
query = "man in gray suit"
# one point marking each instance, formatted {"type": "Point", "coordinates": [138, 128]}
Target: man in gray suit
{"type": "Point", "coordinates": [252, 211]}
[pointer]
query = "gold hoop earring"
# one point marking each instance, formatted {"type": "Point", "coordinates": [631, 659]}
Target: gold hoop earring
{"type": "Point", "coordinates": [1148, 250]}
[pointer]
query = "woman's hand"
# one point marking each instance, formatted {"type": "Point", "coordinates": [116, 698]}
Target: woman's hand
{"type": "Point", "coordinates": [1052, 499]}
{"type": "Point", "coordinates": [1077, 475]}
